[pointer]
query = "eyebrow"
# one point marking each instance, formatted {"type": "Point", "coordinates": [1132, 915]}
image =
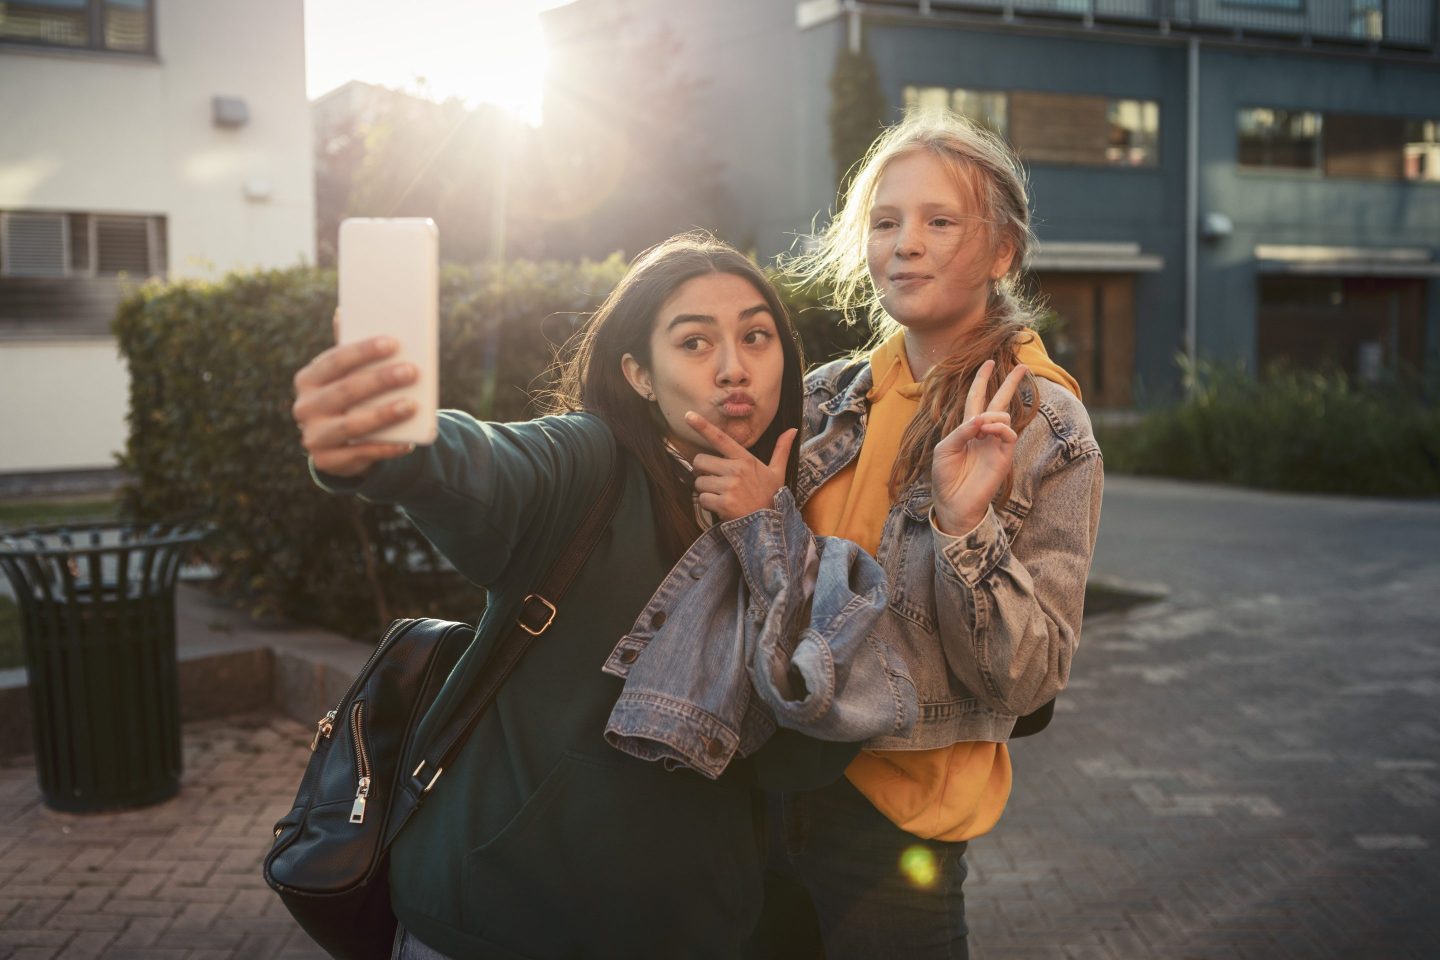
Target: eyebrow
{"type": "Point", "coordinates": [745, 314]}
{"type": "Point", "coordinates": [926, 207]}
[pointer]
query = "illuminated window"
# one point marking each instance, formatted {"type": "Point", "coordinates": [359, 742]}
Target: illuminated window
{"type": "Point", "coordinates": [1422, 150]}
{"type": "Point", "coordinates": [1134, 133]}
{"type": "Point", "coordinates": [1287, 139]}
{"type": "Point", "coordinates": [1367, 19]}
{"type": "Point", "coordinates": [985, 107]}
{"type": "Point", "coordinates": [1067, 128]}
{"type": "Point", "coordinates": [1056, 127]}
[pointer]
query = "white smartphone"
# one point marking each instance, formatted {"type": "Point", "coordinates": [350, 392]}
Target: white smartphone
{"type": "Point", "coordinates": [390, 284]}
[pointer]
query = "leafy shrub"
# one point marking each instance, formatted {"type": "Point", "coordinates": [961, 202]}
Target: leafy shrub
{"type": "Point", "coordinates": [211, 433]}
{"type": "Point", "coordinates": [1300, 430]}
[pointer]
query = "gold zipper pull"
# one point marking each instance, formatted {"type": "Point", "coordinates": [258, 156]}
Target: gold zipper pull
{"type": "Point", "coordinates": [357, 812]}
{"type": "Point", "coordinates": [322, 729]}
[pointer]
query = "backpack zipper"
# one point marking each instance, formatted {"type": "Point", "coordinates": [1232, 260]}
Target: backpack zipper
{"type": "Point", "coordinates": [362, 762]}
{"type": "Point", "coordinates": [326, 724]}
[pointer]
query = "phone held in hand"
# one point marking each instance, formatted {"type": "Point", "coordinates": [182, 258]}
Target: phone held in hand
{"type": "Point", "coordinates": [390, 285]}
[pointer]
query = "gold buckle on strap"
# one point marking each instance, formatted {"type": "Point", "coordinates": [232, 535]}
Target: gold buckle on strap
{"type": "Point", "coordinates": [416, 775]}
{"type": "Point", "coordinates": [549, 618]}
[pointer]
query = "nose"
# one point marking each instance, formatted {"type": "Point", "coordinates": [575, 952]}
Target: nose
{"type": "Point", "coordinates": [730, 368]}
{"type": "Point", "coordinates": [908, 243]}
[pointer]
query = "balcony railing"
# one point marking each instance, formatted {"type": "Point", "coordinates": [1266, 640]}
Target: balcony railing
{"type": "Point", "coordinates": [1388, 23]}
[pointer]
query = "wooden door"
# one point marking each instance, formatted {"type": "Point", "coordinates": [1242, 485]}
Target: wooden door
{"type": "Point", "coordinates": [1092, 334]}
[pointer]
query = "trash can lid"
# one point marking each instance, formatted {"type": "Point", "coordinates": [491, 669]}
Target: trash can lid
{"type": "Point", "coordinates": [67, 539]}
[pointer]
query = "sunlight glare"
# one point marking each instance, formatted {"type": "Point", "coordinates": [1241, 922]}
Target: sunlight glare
{"type": "Point", "coordinates": [479, 51]}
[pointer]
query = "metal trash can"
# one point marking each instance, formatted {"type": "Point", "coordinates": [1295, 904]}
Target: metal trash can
{"type": "Point", "coordinates": [97, 613]}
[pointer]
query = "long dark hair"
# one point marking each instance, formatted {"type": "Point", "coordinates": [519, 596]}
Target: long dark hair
{"type": "Point", "coordinates": [592, 379]}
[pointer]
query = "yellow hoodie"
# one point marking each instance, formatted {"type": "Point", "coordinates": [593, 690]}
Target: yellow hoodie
{"type": "Point", "coordinates": [956, 792]}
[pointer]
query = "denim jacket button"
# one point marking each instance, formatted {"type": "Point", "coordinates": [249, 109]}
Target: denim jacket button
{"type": "Point", "coordinates": [658, 620]}
{"type": "Point", "coordinates": [629, 655]}
{"type": "Point", "coordinates": [714, 748]}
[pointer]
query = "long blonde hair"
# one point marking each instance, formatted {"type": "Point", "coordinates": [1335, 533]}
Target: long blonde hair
{"type": "Point", "coordinates": [986, 167]}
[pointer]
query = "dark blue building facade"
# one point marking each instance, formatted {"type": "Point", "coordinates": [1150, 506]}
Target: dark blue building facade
{"type": "Point", "coordinates": [1237, 180]}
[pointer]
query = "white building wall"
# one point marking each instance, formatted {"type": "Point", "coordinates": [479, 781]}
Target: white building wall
{"type": "Point", "coordinates": [93, 133]}
{"type": "Point", "coordinates": [74, 422]}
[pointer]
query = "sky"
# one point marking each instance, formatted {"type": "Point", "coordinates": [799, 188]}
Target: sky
{"type": "Point", "coordinates": [489, 51]}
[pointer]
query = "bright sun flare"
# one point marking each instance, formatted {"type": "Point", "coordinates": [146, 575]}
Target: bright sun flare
{"type": "Point", "coordinates": [481, 51]}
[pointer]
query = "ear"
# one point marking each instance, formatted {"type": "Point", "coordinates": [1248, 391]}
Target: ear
{"type": "Point", "coordinates": [1004, 256]}
{"type": "Point", "coordinates": [636, 375]}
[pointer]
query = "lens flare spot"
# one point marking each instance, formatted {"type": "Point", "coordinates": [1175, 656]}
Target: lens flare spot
{"type": "Point", "coordinates": [919, 867]}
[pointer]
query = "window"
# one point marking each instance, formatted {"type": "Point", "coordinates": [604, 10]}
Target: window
{"type": "Point", "coordinates": [1056, 127]}
{"type": "Point", "coordinates": [1134, 133]}
{"type": "Point", "coordinates": [34, 245]}
{"type": "Point", "coordinates": [1367, 19]}
{"type": "Point", "coordinates": [1288, 139]}
{"type": "Point", "coordinates": [1422, 150]}
{"type": "Point", "coordinates": [1365, 146]}
{"type": "Point", "coordinates": [985, 107]}
{"type": "Point", "coordinates": [124, 26]}
{"type": "Point", "coordinates": [81, 245]}
{"type": "Point", "coordinates": [1076, 129]}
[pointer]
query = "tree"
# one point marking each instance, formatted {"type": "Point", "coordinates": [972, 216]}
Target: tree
{"type": "Point", "coordinates": [623, 162]}
{"type": "Point", "coordinates": [393, 154]}
{"type": "Point", "coordinates": [857, 111]}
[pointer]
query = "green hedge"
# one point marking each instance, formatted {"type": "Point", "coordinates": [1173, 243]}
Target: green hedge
{"type": "Point", "coordinates": [1307, 431]}
{"type": "Point", "coordinates": [211, 434]}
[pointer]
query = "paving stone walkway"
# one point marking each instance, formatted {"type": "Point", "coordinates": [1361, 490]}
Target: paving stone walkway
{"type": "Point", "coordinates": [176, 881]}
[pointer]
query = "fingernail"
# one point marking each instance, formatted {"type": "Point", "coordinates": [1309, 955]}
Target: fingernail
{"type": "Point", "coordinates": [403, 374]}
{"type": "Point", "coordinates": [404, 407]}
{"type": "Point", "coordinates": [386, 343]}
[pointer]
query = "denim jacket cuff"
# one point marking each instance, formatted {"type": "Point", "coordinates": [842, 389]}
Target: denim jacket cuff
{"type": "Point", "coordinates": [651, 726]}
{"type": "Point", "coordinates": [761, 541]}
{"type": "Point", "coordinates": [971, 557]}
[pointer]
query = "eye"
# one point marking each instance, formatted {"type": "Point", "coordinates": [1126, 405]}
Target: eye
{"type": "Point", "coordinates": [692, 344]}
{"type": "Point", "coordinates": [884, 224]}
{"type": "Point", "coordinates": [760, 335]}
{"type": "Point", "coordinates": [944, 222]}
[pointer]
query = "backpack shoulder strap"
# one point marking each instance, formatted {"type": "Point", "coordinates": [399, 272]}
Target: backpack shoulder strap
{"type": "Point", "coordinates": [537, 613]}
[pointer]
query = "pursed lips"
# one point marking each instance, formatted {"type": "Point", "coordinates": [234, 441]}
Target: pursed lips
{"type": "Point", "coordinates": [736, 404]}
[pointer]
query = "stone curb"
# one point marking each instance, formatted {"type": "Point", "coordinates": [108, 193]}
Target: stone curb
{"type": "Point", "coordinates": [228, 664]}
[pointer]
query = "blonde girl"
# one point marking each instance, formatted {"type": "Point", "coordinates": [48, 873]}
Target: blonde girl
{"type": "Point", "coordinates": [961, 457]}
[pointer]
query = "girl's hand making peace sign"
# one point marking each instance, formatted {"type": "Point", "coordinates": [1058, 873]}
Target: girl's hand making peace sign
{"type": "Point", "coordinates": [971, 463]}
{"type": "Point", "coordinates": [736, 483]}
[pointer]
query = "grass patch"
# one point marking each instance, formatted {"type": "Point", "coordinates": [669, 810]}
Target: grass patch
{"type": "Point", "coordinates": [17, 514]}
{"type": "Point", "coordinates": [11, 652]}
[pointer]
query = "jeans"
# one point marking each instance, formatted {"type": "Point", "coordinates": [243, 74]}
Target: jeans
{"type": "Point", "coordinates": [408, 948]}
{"type": "Point", "coordinates": [873, 890]}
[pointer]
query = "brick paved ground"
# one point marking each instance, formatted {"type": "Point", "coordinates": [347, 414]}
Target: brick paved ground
{"type": "Point", "coordinates": [176, 881]}
{"type": "Point", "coordinates": [1250, 769]}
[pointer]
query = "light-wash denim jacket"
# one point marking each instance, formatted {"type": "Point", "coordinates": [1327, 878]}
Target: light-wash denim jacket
{"type": "Point", "coordinates": [988, 622]}
{"type": "Point", "coordinates": [755, 599]}
{"type": "Point", "coordinates": [760, 623]}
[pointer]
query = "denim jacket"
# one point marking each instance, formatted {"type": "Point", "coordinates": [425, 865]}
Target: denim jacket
{"type": "Point", "coordinates": [987, 622]}
{"type": "Point", "coordinates": [759, 624]}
